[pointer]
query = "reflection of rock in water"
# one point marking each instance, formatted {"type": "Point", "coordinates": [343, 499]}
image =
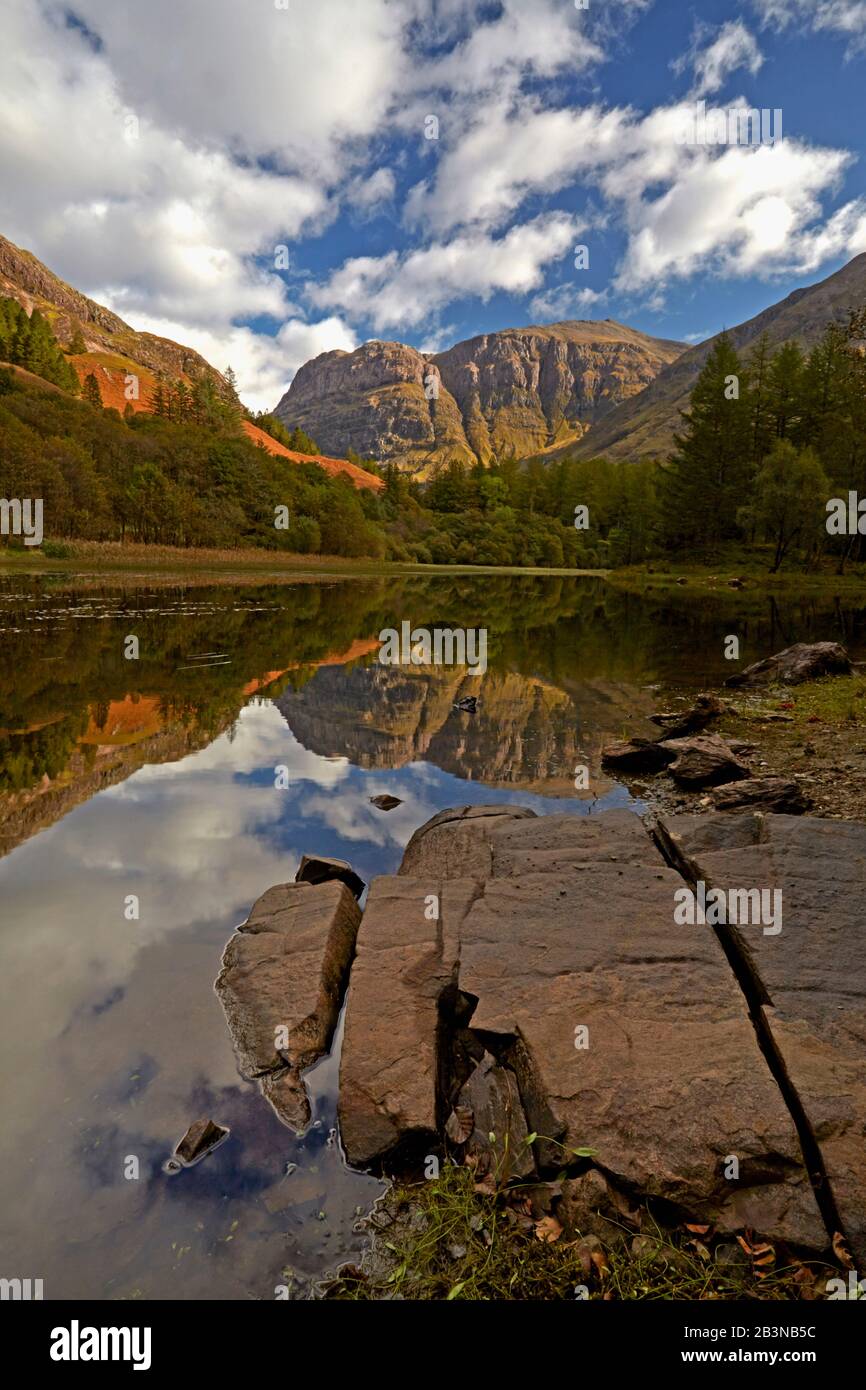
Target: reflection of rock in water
{"type": "Point", "coordinates": [525, 731]}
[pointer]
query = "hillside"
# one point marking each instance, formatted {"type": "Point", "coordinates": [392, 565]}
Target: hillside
{"type": "Point", "coordinates": [514, 393]}
{"type": "Point", "coordinates": [644, 426]}
{"type": "Point", "coordinates": [114, 350]}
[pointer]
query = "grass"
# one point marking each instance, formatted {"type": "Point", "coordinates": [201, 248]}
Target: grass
{"type": "Point", "coordinates": [107, 556]}
{"type": "Point", "coordinates": [747, 567]}
{"type": "Point", "coordinates": [445, 1240]}
{"type": "Point", "coordinates": [833, 700]}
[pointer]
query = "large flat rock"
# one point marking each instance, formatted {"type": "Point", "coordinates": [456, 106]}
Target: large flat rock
{"type": "Point", "coordinates": [552, 925]}
{"type": "Point", "coordinates": [282, 982]}
{"type": "Point", "coordinates": [811, 976]}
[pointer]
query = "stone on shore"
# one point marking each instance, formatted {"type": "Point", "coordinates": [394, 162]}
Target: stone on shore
{"type": "Point", "coordinates": [282, 982]}
{"type": "Point", "coordinates": [704, 760]}
{"type": "Point", "coordinates": [626, 1033]}
{"type": "Point", "coordinates": [319, 868]}
{"type": "Point", "coordinates": [805, 661]}
{"type": "Point", "coordinates": [809, 979]}
{"type": "Point", "coordinates": [678, 724]}
{"type": "Point", "coordinates": [762, 794]}
{"type": "Point", "coordinates": [636, 755]}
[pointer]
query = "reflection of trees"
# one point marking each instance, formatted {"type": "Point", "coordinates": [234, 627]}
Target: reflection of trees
{"type": "Point", "coordinates": [55, 675]}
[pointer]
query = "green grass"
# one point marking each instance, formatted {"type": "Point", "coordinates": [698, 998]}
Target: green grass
{"type": "Point", "coordinates": [444, 1240]}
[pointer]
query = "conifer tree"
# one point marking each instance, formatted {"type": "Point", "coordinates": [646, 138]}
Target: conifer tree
{"type": "Point", "coordinates": [91, 391]}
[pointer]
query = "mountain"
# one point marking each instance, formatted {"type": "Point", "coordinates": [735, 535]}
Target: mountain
{"type": "Point", "coordinates": [518, 392]}
{"type": "Point", "coordinates": [644, 426]}
{"type": "Point", "coordinates": [114, 350]}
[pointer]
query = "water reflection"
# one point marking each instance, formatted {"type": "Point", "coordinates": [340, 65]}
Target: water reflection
{"type": "Point", "coordinates": [156, 778]}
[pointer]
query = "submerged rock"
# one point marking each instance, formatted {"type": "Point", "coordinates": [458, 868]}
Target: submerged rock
{"type": "Point", "coordinates": [805, 661]}
{"type": "Point", "coordinates": [200, 1139]}
{"type": "Point", "coordinates": [385, 802]}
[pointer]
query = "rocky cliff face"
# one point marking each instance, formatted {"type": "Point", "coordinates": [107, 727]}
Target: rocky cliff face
{"type": "Point", "coordinates": [515, 393]}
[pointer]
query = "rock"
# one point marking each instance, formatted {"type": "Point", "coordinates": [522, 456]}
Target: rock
{"type": "Point", "coordinates": [385, 802]}
{"type": "Point", "coordinates": [636, 755]}
{"type": "Point", "coordinates": [318, 868]}
{"type": "Point", "coordinates": [587, 1208]}
{"type": "Point", "coordinates": [805, 983]}
{"type": "Point", "coordinates": [704, 760]}
{"type": "Point", "coordinates": [626, 1033]}
{"type": "Point", "coordinates": [406, 963]}
{"type": "Point", "coordinates": [201, 1138]}
{"type": "Point", "coordinates": [678, 724]}
{"type": "Point", "coordinates": [805, 661]}
{"type": "Point", "coordinates": [467, 704]}
{"type": "Point", "coordinates": [762, 794]}
{"type": "Point", "coordinates": [282, 982]}
{"type": "Point", "coordinates": [455, 843]}
{"type": "Point", "coordinates": [492, 1096]}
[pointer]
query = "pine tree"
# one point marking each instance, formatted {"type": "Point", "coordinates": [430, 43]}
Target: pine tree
{"type": "Point", "coordinates": [77, 344]}
{"type": "Point", "coordinates": [704, 482]}
{"type": "Point", "coordinates": [91, 391]}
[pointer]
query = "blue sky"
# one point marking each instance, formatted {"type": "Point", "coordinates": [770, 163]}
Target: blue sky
{"type": "Point", "coordinates": [159, 156]}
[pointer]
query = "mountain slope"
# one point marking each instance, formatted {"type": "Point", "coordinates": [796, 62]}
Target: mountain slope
{"type": "Point", "coordinates": [517, 392]}
{"type": "Point", "coordinates": [114, 350]}
{"type": "Point", "coordinates": [644, 426]}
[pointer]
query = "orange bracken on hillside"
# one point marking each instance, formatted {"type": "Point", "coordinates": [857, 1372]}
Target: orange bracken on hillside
{"type": "Point", "coordinates": [112, 389]}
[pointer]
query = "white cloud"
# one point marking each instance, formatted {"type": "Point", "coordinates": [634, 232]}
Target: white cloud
{"type": "Point", "coordinates": [264, 365]}
{"type": "Point", "coordinates": [564, 302]}
{"type": "Point", "coordinates": [732, 48]}
{"type": "Point", "coordinates": [844, 17]}
{"type": "Point", "coordinates": [402, 291]}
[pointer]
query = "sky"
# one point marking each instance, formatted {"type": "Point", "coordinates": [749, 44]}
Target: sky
{"type": "Point", "coordinates": [266, 180]}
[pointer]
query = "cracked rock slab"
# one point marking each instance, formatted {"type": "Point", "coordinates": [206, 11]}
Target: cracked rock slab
{"type": "Point", "coordinates": [281, 985]}
{"type": "Point", "coordinates": [810, 978]}
{"type": "Point", "coordinates": [406, 961]}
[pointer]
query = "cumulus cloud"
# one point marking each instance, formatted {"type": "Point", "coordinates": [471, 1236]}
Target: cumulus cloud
{"type": "Point", "coordinates": [402, 291]}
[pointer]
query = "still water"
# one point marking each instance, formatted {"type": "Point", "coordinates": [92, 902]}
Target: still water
{"type": "Point", "coordinates": [156, 777]}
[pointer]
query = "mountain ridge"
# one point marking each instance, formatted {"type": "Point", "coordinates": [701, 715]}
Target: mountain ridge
{"type": "Point", "coordinates": [512, 392]}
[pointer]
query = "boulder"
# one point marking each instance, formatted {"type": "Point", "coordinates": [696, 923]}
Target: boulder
{"type": "Point", "coordinates": [318, 868]}
{"type": "Point", "coordinates": [762, 794]}
{"type": "Point", "coordinates": [806, 983]}
{"type": "Point", "coordinates": [704, 760]}
{"type": "Point", "coordinates": [385, 802]}
{"type": "Point", "coordinates": [805, 661]}
{"type": "Point", "coordinates": [281, 985]}
{"type": "Point", "coordinates": [636, 755]}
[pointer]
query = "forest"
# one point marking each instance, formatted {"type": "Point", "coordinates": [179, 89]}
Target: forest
{"type": "Point", "coordinates": [766, 444]}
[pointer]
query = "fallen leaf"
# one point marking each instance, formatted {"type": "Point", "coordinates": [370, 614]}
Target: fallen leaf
{"type": "Point", "coordinates": [548, 1229]}
{"type": "Point", "coordinates": [841, 1251]}
{"type": "Point", "coordinates": [698, 1230]}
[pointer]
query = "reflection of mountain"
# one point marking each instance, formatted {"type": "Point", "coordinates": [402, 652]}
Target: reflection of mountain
{"type": "Point", "coordinates": [95, 765]}
{"type": "Point", "coordinates": [526, 732]}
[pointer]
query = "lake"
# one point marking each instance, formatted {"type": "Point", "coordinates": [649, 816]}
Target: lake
{"type": "Point", "coordinates": [156, 776]}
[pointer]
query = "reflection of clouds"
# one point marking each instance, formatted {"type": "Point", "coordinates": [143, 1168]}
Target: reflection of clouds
{"type": "Point", "coordinates": [194, 840]}
{"type": "Point", "coordinates": [351, 816]}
